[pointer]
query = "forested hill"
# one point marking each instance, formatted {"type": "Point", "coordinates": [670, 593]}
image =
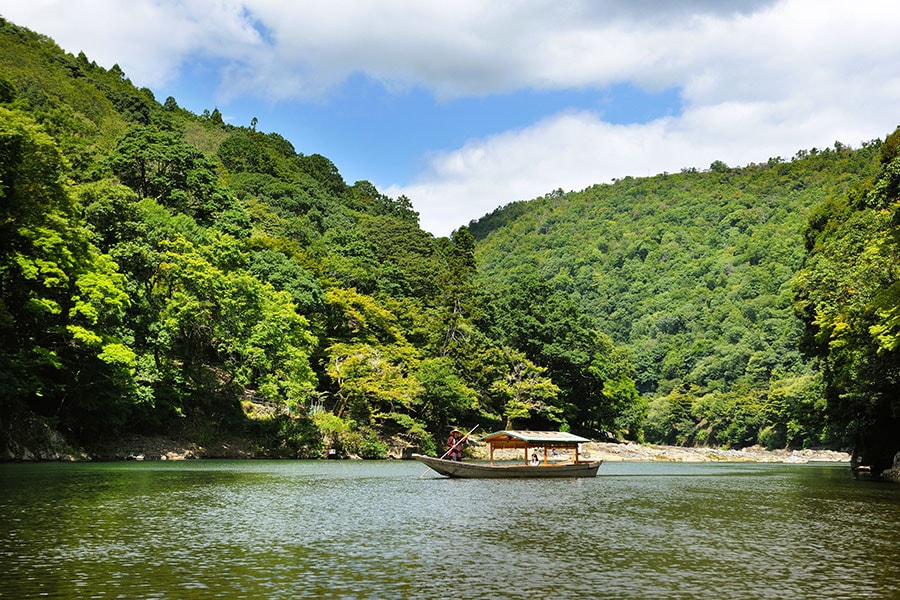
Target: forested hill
{"type": "Point", "coordinates": [167, 273]}
{"type": "Point", "coordinates": [696, 274]}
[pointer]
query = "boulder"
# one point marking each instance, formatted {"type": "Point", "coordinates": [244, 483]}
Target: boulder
{"type": "Point", "coordinates": [893, 474]}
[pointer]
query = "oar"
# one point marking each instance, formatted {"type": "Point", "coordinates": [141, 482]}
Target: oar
{"type": "Point", "coordinates": [450, 449]}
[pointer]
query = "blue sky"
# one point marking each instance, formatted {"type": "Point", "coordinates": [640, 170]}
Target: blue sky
{"type": "Point", "coordinates": [469, 105]}
{"type": "Point", "coordinates": [373, 134]}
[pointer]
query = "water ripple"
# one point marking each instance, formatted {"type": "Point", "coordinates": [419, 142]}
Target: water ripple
{"type": "Point", "coordinates": [317, 529]}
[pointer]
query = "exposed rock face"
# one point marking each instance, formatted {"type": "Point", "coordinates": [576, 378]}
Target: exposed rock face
{"type": "Point", "coordinates": [893, 474]}
{"type": "Point", "coordinates": [34, 439]}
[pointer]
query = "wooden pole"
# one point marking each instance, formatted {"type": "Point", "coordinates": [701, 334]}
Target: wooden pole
{"type": "Point", "coordinates": [460, 441]}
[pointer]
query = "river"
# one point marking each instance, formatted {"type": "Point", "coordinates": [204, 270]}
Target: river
{"type": "Point", "coordinates": [341, 529]}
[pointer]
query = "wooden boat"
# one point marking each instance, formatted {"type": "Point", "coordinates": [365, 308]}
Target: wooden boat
{"type": "Point", "coordinates": [530, 442]}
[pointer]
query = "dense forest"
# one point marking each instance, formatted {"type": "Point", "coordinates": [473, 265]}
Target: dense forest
{"type": "Point", "coordinates": [166, 272]}
{"type": "Point", "coordinates": [693, 273]}
{"type": "Point", "coordinates": [758, 305]}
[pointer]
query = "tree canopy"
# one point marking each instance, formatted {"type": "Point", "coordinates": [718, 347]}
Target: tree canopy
{"type": "Point", "coordinates": [168, 272]}
{"type": "Point", "coordinates": [162, 271]}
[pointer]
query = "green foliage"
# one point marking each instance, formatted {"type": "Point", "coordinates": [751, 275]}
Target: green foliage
{"type": "Point", "coordinates": [595, 380]}
{"type": "Point", "coordinates": [691, 272]}
{"type": "Point", "coordinates": [62, 300]}
{"type": "Point", "coordinates": [324, 173]}
{"type": "Point", "coordinates": [253, 152]}
{"type": "Point", "coordinates": [201, 281]}
{"type": "Point", "coordinates": [194, 268]}
{"type": "Point", "coordinates": [7, 90]}
{"type": "Point", "coordinates": [158, 164]}
{"type": "Point", "coordinates": [365, 197]}
{"type": "Point", "coordinates": [286, 274]}
{"type": "Point", "coordinates": [365, 444]}
{"type": "Point", "coordinates": [444, 395]}
{"type": "Point", "coordinates": [406, 257]}
{"type": "Point", "coordinates": [225, 327]}
{"type": "Point", "coordinates": [848, 294]}
{"type": "Point", "coordinates": [285, 435]}
{"type": "Point", "coordinates": [525, 392]}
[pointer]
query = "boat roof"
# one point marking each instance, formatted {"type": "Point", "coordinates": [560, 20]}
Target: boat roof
{"type": "Point", "coordinates": [510, 438]}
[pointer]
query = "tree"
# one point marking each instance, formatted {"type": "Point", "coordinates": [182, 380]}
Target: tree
{"type": "Point", "coordinates": [371, 367]}
{"type": "Point", "coordinates": [325, 173]}
{"type": "Point", "coordinates": [216, 118]}
{"type": "Point", "coordinates": [158, 164]}
{"type": "Point", "coordinates": [848, 294]}
{"type": "Point", "coordinates": [445, 397]}
{"type": "Point", "coordinates": [221, 327]}
{"type": "Point", "coordinates": [7, 90]}
{"type": "Point", "coordinates": [61, 301]}
{"type": "Point", "coordinates": [458, 294]}
{"type": "Point", "coordinates": [525, 392]}
{"type": "Point", "coordinates": [595, 380]}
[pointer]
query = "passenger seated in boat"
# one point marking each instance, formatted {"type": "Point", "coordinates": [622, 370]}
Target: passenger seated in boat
{"type": "Point", "coordinates": [534, 459]}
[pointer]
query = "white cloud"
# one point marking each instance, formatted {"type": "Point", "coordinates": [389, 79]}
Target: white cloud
{"type": "Point", "coordinates": [453, 48]}
{"type": "Point", "coordinates": [795, 76]}
{"type": "Point", "coordinates": [149, 39]}
{"type": "Point", "coordinates": [757, 79]}
{"type": "Point", "coordinates": [575, 150]}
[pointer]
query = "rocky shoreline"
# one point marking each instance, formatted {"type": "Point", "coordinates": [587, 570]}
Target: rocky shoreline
{"type": "Point", "coordinates": [632, 452]}
{"type": "Point", "coordinates": [167, 448]}
{"type": "Point", "coordinates": [648, 452]}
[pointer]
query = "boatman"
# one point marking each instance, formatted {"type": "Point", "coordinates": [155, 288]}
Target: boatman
{"type": "Point", "coordinates": [454, 445]}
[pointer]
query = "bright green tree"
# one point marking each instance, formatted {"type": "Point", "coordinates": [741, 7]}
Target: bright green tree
{"type": "Point", "coordinates": [61, 301]}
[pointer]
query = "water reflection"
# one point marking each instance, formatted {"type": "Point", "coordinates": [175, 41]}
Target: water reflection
{"type": "Point", "coordinates": [318, 529]}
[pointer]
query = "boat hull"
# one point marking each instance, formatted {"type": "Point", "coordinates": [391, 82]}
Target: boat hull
{"type": "Point", "coordinates": [469, 470]}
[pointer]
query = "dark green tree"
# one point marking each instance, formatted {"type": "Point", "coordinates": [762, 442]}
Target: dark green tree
{"type": "Point", "coordinates": [849, 296]}
{"type": "Point", "coordinates": [158, 164]}
{"type": "Point", "coordinates": [595, 379]}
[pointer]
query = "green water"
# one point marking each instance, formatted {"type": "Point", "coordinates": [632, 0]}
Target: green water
{"type": "Point", "coordinates": [317, 529]}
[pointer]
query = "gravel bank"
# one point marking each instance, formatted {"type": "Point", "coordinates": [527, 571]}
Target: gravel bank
{"type": "Point", "coordinates": [611, 452]}
{"type": "Point", "coordinates": [648, 452]}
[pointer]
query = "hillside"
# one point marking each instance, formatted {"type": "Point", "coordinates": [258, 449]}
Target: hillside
{"type": "Point", "coordinates": [694, 273]}
{"type": "Point", "coordinates": [168, 274]}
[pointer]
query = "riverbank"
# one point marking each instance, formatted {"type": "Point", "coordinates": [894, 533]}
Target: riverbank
{"type": "Point", "coordinates": [167, 448]}
{"type": "Point", "coordinates": [631, 452]}
{"type": "Point", "coordinates": [650, 452]}
{"type": "Point", "coordinates": [159, 448]}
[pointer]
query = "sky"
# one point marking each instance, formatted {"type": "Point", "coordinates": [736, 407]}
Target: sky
{"type": "Point", "coordinates": [466, 106]}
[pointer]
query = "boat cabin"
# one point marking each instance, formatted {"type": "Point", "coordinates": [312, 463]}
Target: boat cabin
{"type": "Point", "coordinates": [533, 440]}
